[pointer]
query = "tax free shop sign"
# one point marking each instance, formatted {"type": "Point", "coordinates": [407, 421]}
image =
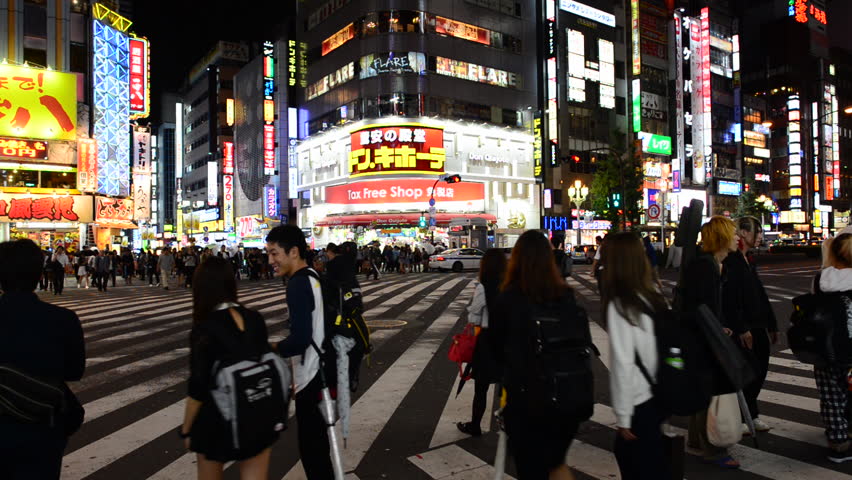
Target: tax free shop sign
{"type": "Point", "coordinates": [404, 195]}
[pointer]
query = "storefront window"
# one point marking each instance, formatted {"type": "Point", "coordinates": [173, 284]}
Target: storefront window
{"type": "Point", "coordinates": [35, 179]}
{"type": "Point", "coordinates": [58, 180]}
{"type": "Point", "coordinates": [18, 178]}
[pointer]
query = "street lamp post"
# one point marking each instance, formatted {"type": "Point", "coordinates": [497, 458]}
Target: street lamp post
{"type": "Point", "coordinates": [578, 193]}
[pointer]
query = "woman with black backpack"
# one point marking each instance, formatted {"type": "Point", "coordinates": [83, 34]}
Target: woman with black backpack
{"type": "Point", "coordinates": [631, 302]}
{"type": "Point", "coordinates": [219, 325]}
{"type": "Point", "coordinates": [544, 404]}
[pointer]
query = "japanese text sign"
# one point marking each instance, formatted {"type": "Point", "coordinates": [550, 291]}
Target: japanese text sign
{"type": "Point", "coordinates": [45, 208]}
{"type": "Point", "coordinates": [24, 149]}
{"type": "Point", "coordinates": [228, 160]}
{"type": "Point", "coordinates": [37, 103]}
{"type": "Point", "coordinates": [141, 151]}
{"type": "Point", "coordinates": [228, 201]}
{"type": "Point", "coordinates": [87, 164]}
{"type": "Point", "coordinates": [113, 210]}
{"type": "Point", "coordinates": [344, 35]}
{"type": "Point", "coordinates": [139, 86]}
{"type": "Point", "coordinates": [408, 148]}
{"type": "Point", "coordinates": [270, 195]}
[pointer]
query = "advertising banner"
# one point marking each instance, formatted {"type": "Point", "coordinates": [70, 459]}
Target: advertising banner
{"type": "Point", "coordinates": [344, 35]}
{"type": "Point", "coordinates": [21, 207]}
{"type": "Point", "coordinates": [406, 194]}
{"type": "Point", "coordinates": [23, 149]}
{"type": "Point", "coordinates": [87, 165]}
{"type": "Point", "coordinates": [392, 62]}
{"type": "Point", "coordinates": [476, 73]}
{"type": "Point", "coordinates": [228, 160]}
{"type": "Point", "coordinates": [38, 103]}
{"type": "Point", "coordinates": [446, 26]}
{"type": "Point", "coordinates": [228, 201]}
{"type": "Point", "coordinates": [270, 198]}
{"type": "Point", "coordinates": [407, 148]}
{"type": "Point", "coordinates": [212, 183]}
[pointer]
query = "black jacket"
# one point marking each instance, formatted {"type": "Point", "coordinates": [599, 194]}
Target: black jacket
{"type": "Point", "coordinates": [40, 339]}
{"type": "Point", "coordinates": [745, 305]}
{"type": "Point", "coordinates": [702, 285]}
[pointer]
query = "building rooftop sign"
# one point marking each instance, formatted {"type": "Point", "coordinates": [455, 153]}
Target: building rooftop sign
{"type": "Point", "coordinates": [586, 11]}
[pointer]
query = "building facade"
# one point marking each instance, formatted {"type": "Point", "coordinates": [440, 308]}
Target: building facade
{"type": "Point", "coordinates": [394, 97]}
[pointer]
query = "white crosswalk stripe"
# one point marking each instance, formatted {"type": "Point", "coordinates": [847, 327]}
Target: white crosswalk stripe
{"type": "Point", "coordinates": [130, 339]}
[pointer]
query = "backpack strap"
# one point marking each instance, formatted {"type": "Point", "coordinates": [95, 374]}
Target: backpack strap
{"type": "Point", "coordinates": [644, 371]}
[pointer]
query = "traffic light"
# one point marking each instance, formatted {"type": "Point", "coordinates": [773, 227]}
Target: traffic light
{"type": "Point", "coordinates": [616, 200]}
{"type": "Point", "coordinates": [575, 158]}
{"type": "Point", "coordinates": [453, 179]}
{"type": "Point", "coordinates": [422, 223]}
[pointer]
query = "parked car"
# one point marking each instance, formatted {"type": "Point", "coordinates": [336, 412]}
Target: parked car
{"type": "Point", "coordinates": [583, 253]}
{"type": "Point", "coordinates": [456, 259]}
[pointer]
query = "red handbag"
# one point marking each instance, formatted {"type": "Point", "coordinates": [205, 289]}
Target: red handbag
{"type": "Point", "coordinates": [461, 351]}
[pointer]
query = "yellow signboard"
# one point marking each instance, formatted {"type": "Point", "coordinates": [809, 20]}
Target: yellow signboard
{"type": "Point", "coordinates": [37, 103]}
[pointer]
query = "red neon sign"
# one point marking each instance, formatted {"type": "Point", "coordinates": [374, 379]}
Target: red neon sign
{"type": "Point", "coordinates": [39, 208]}
{"type": "Point", "coordinates": [228, 161]}
{"type": "Point", "coordinates": [705, 59]}
{"type": "Point", "coordinates": [406, 148]}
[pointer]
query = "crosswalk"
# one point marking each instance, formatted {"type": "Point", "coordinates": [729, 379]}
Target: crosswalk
{"type": "Point", "coordinates": [404, 414]}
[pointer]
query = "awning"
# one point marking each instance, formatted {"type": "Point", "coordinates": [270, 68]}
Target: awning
{"type": "Point", "coordinates": [117, 224]}
{"type": "Point", "coordinates": [410, 219]}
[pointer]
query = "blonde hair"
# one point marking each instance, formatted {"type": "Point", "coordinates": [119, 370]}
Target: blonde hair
{"type": "Point", "coordinates": [717, 234]}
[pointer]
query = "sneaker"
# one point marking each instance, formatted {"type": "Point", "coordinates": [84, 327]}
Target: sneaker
{"type": "Point", "coordinates": [746, 431]}
{"type": "Point", "coordinates": [761, 426]}
{"type": "Point", "coordinates": [839, 452]}
{"type": "Point", "coordinates": [469, 428]}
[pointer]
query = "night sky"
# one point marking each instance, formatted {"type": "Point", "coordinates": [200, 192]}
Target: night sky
{"type": "Point", "coordinates": [182, 31]}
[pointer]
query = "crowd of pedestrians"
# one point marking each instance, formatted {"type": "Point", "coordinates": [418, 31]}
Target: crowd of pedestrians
{"type": "Point", "coordinates": [532, 339]}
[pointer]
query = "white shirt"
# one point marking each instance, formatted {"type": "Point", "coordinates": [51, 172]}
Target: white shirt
{"type": "Point", "coordinates": [628, 386]}
{"type": "Point", "coordinates": [478, 308]}
{"type": "Point", "coordinates": [306, 367]}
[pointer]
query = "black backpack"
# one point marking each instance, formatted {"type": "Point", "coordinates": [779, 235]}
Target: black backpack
{"type": "Point", "coordinates": [684, 383]}
{"type": "Point", "coordinates": [559, 378]}
{"type": "Point", "coordinates": [343, 309]}
{"type": "Point", "coordinates": [29, 399]}
{"type": "Point", "coordinates": [819, 334]}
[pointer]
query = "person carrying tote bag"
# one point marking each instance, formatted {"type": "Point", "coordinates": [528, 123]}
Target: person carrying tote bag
{"type": "Point", "coordinates": [724, 421]}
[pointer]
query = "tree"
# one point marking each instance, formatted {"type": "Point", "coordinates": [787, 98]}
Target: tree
{"type": "Point", "coordinates": [749, 206]}
{"type": "Point", "coordinates": [616, 192]}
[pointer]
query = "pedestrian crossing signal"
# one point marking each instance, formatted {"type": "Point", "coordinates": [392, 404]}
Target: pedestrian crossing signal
{"type": "Point", "coordinates": [616, 200]}
{"type": "Point", "coordinates": [422, 223]}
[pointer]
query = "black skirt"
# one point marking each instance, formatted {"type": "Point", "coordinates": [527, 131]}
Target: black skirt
{"type": "Point", "coordinates": [211, 437]}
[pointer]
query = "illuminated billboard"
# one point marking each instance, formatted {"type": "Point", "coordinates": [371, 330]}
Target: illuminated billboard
{"type": "Point", "coordinates": [228, 201]}
{"type": "Point", "coordinates": [476, 73]}
{"type": "Point", "coordinates": [268, 109]}
{"type": "Point", "coordinates": [87, 165]}
{"type": "Point", "coordinates": [332, 80]}
{"type": "Point", "coordinates": [111, 84]}
{"type": "Point", "coordinates": [453, 28]}
{"type": "Point", "coordinates": [794, 163]}
{"type": "Point", "coordinates": [392, 62]}
{"type": "Point", "coordinates": [344, 35]}
{"type": "Point", "coordinates": [389, 149]}
{"type": "Point", "coordinates": [38, 103]}
{"type": "Point", "coordinates": [23, 207]}
{"type": "Point", "coordinates": [581, 69]}
{"type": "Point", "coordinates": [140, 87]}
{"type": "Point", "coordinates": [23, 149]}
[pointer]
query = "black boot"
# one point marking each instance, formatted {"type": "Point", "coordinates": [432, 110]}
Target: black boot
{"type": "Point", "coordinates": [469, 428]}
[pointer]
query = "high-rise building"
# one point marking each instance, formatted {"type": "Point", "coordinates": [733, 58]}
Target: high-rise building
{"type": "Point", "coordinates": [205, 131]}
{"type": "Point", "coordinates": [166, 186]}
{"type": "Point", "coordinates": [383, 101]}
{"type": "Point", "coordinates": [790, 64]}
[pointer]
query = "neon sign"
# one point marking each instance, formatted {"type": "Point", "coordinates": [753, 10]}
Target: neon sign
{"type": "Point", "coordinates": [87, 165]}
{"type": "Point", "coordinates": [64, 208]}
{"type": "Point", "coordinates": [268, 109]}
{"type": "Point", "coordinates": [406, 148]}
{"type": "Point", "coordinates": [271, 200]}
{"type": "Point", "coordinates": [586, 11]}
{"type": "Point", "coordinates": [801, 9]}
{"type": "Point", "coordinates": [111, 108]}
{"type": "Point", "coordinates": [339, 38]}
{"type": "Point", "coordinates": [228, 160]}
{"type": "Point", "coordinates": [228, 201]}
{"type": "Point", "coordinates": [634, 37]}
{"type": "Point", "coordinates": [476, 73]}
{"type": "Point", "coordinates": [794, 153]}
{"type": "Point", "coordinates": [26, 149]}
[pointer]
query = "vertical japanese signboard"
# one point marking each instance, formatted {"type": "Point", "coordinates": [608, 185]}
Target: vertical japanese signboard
{"type": "Point", "coordinates": [141, 173]}
{"type": "Point", "coordinates": [87, 165]}
{"type": "Point", "coordinates": [696, 87]}
{"type": "Point", "coordinates": [139, 78]}
{"type": "Point", "coordinates": [228, 201]}
{"type": "Point", "coordinates": [552, 109]}
{"type": "Point", "coordinates": [228, 160]}
{"type": "Point", "coordinates": [634, 37]}
{"type": "Point", "coordinates": [270, 196]}
{"type": "Point", "coordinates": [268, 108]}
{"type": "Point", "coordinates": [794, 166]}
{"type": "Point", "coordinates": [706, 94]}
{"type": "Point", "coordinates": [212, 183]}
{"type": "Point", "coordinates": [636, 92]}
{"type": "Point", "coordinates": [680, 143]}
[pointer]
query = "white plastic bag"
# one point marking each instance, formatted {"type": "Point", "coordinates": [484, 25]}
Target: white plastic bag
{"type": "Point", "coordinates": [724, 421]}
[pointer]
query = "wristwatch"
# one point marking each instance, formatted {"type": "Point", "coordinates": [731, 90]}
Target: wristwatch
{"type": "Point", "coordinates": [181, 434]}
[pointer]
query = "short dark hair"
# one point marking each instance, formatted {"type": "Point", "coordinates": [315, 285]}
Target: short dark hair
{"type": "Point", "coordinates": [212, 284]}
{"type": "Point", "coordinates": [22, 263]}
{"type": "Point", "coordinates": [288, 237]}
{"type": "Point", "coordinates": [557, 239]}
